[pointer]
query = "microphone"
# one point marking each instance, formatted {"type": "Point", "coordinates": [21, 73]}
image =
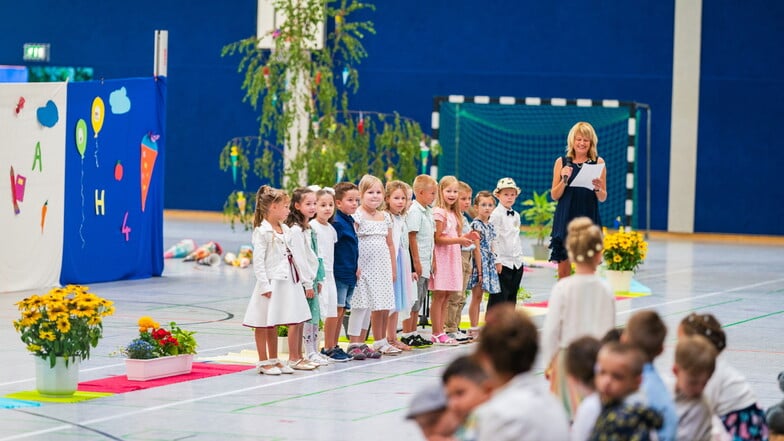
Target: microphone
{"type": "Point", "coordinates": [568, 163]}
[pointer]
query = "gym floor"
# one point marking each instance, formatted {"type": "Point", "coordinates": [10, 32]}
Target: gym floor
{"type": "Point", "coordinates": [737, 279]}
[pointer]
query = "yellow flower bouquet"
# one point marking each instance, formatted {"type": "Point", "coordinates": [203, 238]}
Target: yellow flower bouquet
{"type": "Point", "coordinates": [624, 250]}
{"type": "Point", "coordinates": [65, 322]}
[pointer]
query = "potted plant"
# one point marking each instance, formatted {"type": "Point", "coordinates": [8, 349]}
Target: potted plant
{"type": "Point", "coordinates": [540, 217]}
{"type": "Point", "coordinates": [59, 328]}
{"type": "Point", "coordinates": [624, 251]}
{"type": "Point", "coordinates": [158, 352]}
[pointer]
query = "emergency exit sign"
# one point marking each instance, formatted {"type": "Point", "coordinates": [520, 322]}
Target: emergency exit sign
{"type": "Point", "coordinates": [36, 52]}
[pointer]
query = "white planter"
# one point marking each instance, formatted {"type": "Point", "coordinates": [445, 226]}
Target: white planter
{"type": "Point", "coordinates": [143, 370]}
{"type": "Point", "coordinates": [283, 345]}
{"type": "Point", "coordinates": [57, 381]}
{"type": "Point", "coordinates": [620, 281]}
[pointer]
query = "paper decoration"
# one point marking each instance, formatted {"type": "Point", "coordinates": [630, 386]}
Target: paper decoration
{"type": "Point", "coordinates": [180, 249]}
{"type": "Point", "coordinates": [241, 202]}
{"type": "Point", "coordinates": [341, 168]}
{"type": "Point", "coordinates": [204, 251]}
{"type": "Point", "coordinates": [119, 101]}
{"type": "Point", "coordinates": [100, 202]}
{"type": "Point", "coordinates": [318, 78]}
{"type": "Point", "coordinates": [20, 105]}
{"type": "Point", "coordinates": [81, 137]}
{"type": "Point", "coordinates": [149, 154]}
{"type": "Point", "coordinates": [48, 115]}
{"type": "Point", "coordinates": [37, 158]}
{"type": "Point", "coordinates": [345, 75]}
{"type": "Point", "coordinates": [266, 72]}
{"type": "Point", "coordinates": [234, 157]}
{"type": "Point", "coordinates": [13, 191]}
{"type": "Point", "coordinates": [424, 152]}
{"type": "Point", "coordinates": [44, 208]}
{"type": "Point", "coordinates": [390, 173]}
{"type": "Point", "coordinates": [118, 171]}
{"type": "Point", "coordinates": [97, 115]}
{"type": "Point", "coordinates": [20, 187]}
{"type": "Point", "coordinates": [126, 230]}
{"type": "Point", "coordinates": [361, 124]}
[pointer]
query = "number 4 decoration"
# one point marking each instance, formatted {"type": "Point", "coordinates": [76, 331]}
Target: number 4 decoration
{"type": "Point", "coordinates": [126, 230]}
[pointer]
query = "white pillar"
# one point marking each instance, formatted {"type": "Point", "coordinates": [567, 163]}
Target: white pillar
{"type": "Point", "coordinates": [298, 131]}
{"type": "Point", "coordinates": [685, 115]}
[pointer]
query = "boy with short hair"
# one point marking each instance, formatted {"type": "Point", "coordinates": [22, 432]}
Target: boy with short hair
{"type": "Point", "coordinates": [467, 387]}
{"type": "Point", "coordinates": [647, 331]}
{"type": "Point", "coordinates": [580, 364]}
{"type": "Point", "coordinates": [618, 375]}
{"type": "Point", "coordinates": [345, 263]}
{"type": "Point", "coordinates": [507, 245]}
{"type": "Point", "coordinates": [695, 361]}
{"type": "Point", "coordinates": [421, 239]}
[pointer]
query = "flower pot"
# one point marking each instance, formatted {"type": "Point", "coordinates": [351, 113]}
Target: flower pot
{"type": "Point", "coordinates": [620, 281]}
{"type": "Point", "coordinates": [541, 252]}
{"type": "Point", "coordinates": [57, 381]}
{"type": "Point", "coordinates": [283, 345]}
{"type": "Point", "coordinates": [143, 370]}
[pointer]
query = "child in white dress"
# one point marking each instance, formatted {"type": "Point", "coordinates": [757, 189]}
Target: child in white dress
{"type": "Point", "coordinates": [579, 305]}
{"type": "Point", "coordinates": [277, 298]}
{"type": "Point", "coordinates": [374, 296]}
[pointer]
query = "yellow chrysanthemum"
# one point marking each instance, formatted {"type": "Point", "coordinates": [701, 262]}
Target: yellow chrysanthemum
{"type": "Point", "coordinates": [46, 335]}
{"type": "Point", "coordinates": [63, 325]}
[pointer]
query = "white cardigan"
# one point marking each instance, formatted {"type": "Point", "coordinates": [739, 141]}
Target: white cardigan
{"type": "Point", "coordinates": [269, 256]}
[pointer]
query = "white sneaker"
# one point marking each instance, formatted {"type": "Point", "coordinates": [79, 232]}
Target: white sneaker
{"type": "Point", "coordinates": [267, 367]}
{"type": "Point", "coordinates": [318, 359]}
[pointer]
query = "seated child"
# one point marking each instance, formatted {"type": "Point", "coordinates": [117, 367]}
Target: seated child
{"type": "Point", "coordinates": [618, 375]}
{"type": "Point", "coordinates": [727, 391]}
{"type": "Point", "coordinates": [466, 388]}
{"type": "Point", "coordinates": [695, 360]}
{"type": "Point", "coordinates": [774, 416]}
{"type": "Point", "coordinates": [428, 409]}
{"type": "Point", "coordinates": [581, 372]}
{"type": "Point", "coordinates": [521, 406]}
{"type": "Point", "coordinates": [646, 331]}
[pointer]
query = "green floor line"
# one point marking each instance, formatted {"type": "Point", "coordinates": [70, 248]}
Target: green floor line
{"type": "Point", "coordinates": [295, 397]}
{"type": "Point", "coordinates": [379, 414]}
{"type": "Point", "coordinates": [702, 307]}
{"type": "Point", "coordinates": [753, 318]}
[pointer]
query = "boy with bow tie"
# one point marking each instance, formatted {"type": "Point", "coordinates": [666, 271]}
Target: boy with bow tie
{"type": "Point", "coordinates": [507, 244]}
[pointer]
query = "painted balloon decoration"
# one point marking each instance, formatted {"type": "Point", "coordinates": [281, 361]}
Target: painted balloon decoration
{"type": "Point", "coordinates": [98, 112]}
{"type": "Point", "coordinates": [81, 137]}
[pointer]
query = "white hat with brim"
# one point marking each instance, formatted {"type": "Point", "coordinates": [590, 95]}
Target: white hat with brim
{"type": "Point", "coordinates": [429, 399]}
{"type": "Point", "coordinates": [506, 183]}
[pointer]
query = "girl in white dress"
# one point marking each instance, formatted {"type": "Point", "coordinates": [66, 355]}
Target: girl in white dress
{"type": "Point", "coordinates": [277, 297]}
{"type": "Point", "coordinates": [374, 296]}
{"type": "Point", "coordinates": [301, 210]}
{"type": "Point", "coordinates": [580, 305]}
{"type": "Point", "coordinates": [396, 202]}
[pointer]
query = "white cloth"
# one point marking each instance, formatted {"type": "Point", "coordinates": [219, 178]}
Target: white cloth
{"type": "Point", "coordinates": [579, 305]}
{"type": "Point", "coordinates": [522, 409]}
{"type": "Point", "coordinates": [507, 244]}
{"type": "Point", "coordinates": [328, 297]}
{"type": "Point", "coordinates": [420, 220]}
{"type": "Point", "coordinates": [585, 417]}
{"type": "Point", "coordinates": [287, 304]}
{"type": "Point", "coordinates": [727, 390]}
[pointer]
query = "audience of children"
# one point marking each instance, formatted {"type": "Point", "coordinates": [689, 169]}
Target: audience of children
{"type": "Point", "coordinates": [579, 305]}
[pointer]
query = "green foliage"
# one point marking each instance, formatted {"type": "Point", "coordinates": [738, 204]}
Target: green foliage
{"type": "Point", "coordinates": [539, 215]}
{"type": "Point", "coordinates": [295, 79]}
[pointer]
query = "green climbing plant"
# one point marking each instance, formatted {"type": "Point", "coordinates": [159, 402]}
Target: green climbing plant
{"type": "Point", "coordinates": [295, 78]}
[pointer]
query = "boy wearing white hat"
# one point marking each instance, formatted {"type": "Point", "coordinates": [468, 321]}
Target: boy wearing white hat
{"type": "Point", "coordinates": [507, 244]}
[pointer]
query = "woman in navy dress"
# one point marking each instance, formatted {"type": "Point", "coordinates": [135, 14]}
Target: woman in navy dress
{"type": "Point", "coordinates": [575, 201]}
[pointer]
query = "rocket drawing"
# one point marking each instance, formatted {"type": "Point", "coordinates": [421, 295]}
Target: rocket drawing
{"type": "Point", "coordinates": [149, 154]}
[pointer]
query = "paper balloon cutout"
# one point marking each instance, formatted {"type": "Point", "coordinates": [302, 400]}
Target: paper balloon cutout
{"type": "Point", "coordinates": [48, 115]}
{"type": "Point", "coordinates": [97, 114]}
{"type": "Point", "coordinates": [149, 154]}
{"type": "Point", "coordinates": [345, 74]}
{"type": "Point", "coordinates": [81, 137]}
{"type": "Point", "coordinates": [119, 101]}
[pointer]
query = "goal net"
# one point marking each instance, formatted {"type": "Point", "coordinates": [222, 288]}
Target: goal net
{"type": "Point", "coordinates": [484, 139]}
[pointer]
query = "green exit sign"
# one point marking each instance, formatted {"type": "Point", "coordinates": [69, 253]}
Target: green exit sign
{"type": "Point", "coordinates": [36, 52]}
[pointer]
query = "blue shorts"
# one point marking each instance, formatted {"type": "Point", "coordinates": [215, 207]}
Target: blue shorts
{"type": "Point", "coordinates": [345, 291]}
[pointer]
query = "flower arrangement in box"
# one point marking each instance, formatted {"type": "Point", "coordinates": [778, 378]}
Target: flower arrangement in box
{"type": "Point", "coordinates": [154, 341]}
{"type": "Point", "coordinates": [624, 250]}
{"type": "Point", "coordinates": [65, 322]}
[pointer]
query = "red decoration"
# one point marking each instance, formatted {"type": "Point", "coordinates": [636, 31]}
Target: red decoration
{"type": "Point", "coordinates": [20, 105]}
{"type": "Point", "coordinates": [118, 171]}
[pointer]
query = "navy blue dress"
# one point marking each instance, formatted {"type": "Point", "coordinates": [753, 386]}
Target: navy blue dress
{"type": "Point", "coordinates": [575, 202]}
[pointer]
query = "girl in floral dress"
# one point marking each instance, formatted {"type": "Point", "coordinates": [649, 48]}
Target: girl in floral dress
{"type": "Point", "coordinates": [484, 277]}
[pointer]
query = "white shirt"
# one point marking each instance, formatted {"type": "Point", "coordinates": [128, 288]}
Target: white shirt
{"type": "Point", "coordinates": [305, 258]}
{"type": "Point", "coordinates": [327, 237]}
{"type": "Point", "coordinates": [585, 417]}
{"type": "Point", "coordinates": [420, 219]}
{"type": "Point", "coordinates": [727, 389]}
{"type": "Point", "coordinates": [522, 409]}
{"type": "Point", "coordinates": [579, 305]}
{"type": "Point", "coordinates": [507, 244]}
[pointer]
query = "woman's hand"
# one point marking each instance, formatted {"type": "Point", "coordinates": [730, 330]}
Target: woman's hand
{"type": "Point", "coordinates": [597, 184]}
{"type": "Point", "coordinates": [566, 172]}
